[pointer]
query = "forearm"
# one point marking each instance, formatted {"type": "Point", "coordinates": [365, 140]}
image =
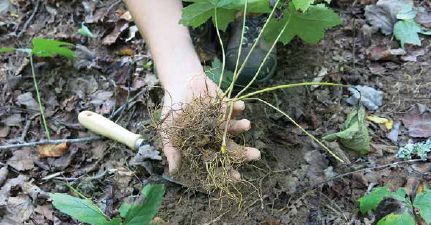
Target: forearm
{"type": "Point", "coordinates": [170, 44]}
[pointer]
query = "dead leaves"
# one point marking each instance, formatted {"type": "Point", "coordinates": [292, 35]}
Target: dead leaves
{"type": "Point", "coordinates": [52, 150]}
{"type": "Point", "coordinates": [22, 159]}
{"type": "Point", "coordinates": [418, 122]}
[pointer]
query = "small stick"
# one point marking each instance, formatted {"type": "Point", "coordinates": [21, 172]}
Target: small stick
{"type": "Point", "coordinates": [24, 28]}
{"type": "Point", "coordinates": [59, 141]}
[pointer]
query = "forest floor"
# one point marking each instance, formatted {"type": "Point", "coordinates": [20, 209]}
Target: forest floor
{"type": "Point", "coordinates": [296, 181]}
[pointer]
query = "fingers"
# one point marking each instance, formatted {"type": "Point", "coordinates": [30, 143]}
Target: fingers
{"type": "Point", "coordinates": [238, 107]}
{"type": "Point", "coordinates": [238, 126]}
{"type": "Point", "coordinates": [242, 153]}
{"type": "Point", "coordinates": [173, 156]}
{"type": "Point", "coordinates": [252, 154]}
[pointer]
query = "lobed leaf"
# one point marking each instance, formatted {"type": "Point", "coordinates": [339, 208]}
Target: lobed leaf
{"type": "Point", "coordinates": [82, 210]}
{"type": "Point", "coordinates": [371, 200]}
{"type": "Point", "coordinates": [302, 5]}
{"type": "Point", "coordinates": [200, 11]}
{"type": "Point", "coordinates": [404, 218]}
{"type": "Point", "coordinates": [407, 31]}
{"type": "Point", "coordinates": [142, 214]}
{"type": "Point", "coordinates": [50, 48]}
{"type": "Point", "coordinates": [422, 202]}
{"type": "Point", "coordinates": [309, 26]}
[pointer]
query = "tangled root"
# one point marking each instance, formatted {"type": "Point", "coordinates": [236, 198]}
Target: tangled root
{"type": "Point", "coordinates": [198, 133]}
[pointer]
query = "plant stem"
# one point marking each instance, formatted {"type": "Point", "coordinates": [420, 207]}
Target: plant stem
{"type": "Point", "coordinates": [266, 56]}
{"type": "Point", "coordinates": [44, 142]}
{"type": "Point", "coordinates": [284, 86]}
{"type": "Point", "coordinates": [259, 36]}
{"type": "Point", "coordinates": [228, 113]}
{"type": "Point", "coordinates": [41, 108]}
{"type": "Point", "coordinates": [222, 48]}
{"type": "Point", "coordinates": [302, 129]}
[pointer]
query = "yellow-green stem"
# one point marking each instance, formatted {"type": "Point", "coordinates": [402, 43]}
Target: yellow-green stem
{"type": "Point", "coordinates": [36, 86]}
{"type": "Point", "coordinates": [284, 86]}
{"type": "Point", "coordinates": [222, 48]}
{"type": "Point", "coordinates": [302, 129]}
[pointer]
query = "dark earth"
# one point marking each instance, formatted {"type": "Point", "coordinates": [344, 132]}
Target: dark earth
{"type": "Point", "coordinates": [296, 181]}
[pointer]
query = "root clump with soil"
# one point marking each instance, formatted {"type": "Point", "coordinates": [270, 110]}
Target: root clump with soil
{"type": "Point", "coordinates": [198, 133]}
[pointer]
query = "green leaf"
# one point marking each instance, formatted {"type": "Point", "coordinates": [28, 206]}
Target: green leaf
{"type": "Point", "coordinates": [6, 50]}
{"type": "Point", "coordinates": [85, 31]}
{"type": "Point", "coordinates": [142, 214]}
{"type": "Point", "coordinates": [404, 218]}
{"type": "Point", "coordinates": [115, 221]}
{"type": "Point", "coordinates": [371, 200]}
{"type": "Point", "coordinates": [50, 48]}
{"type": "Point", "coordinates": [82, 210]}
{"type": "Point", "coordinates": [354, 135]}
{"type": "Point", "coordinates": [214, 72]}
{"type": "Point", "coordinates": [302, 5]}
{"type": "Point", "coordinates": [124, 208]}
{"type": "Point", "coordinates": [406, 31]}
{"type": "Point", "coordinates": [422, 202]}
{"type": "Point", "coordinates": [406, 12]}
{"type": "Point", "coordinates": [200, 11]}
{"type": "Point", "coordinates": [310, 26]}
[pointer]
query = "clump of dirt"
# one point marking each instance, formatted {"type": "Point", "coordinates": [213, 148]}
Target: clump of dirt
{"type": "Point", "coordinates": [198, 133]}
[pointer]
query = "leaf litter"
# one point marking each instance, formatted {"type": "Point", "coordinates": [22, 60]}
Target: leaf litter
{"type": "Point", "coordinates": [97, 71]}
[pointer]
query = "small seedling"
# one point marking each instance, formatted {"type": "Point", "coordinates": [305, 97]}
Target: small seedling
{"type": "Point", "coordinates": [408, 212]}
{"type": "Point", "coordinates": [85, 211]}
{"type": "Point", "coordinates": [43, 48]}
{"type": "Point", "coordinates": [208, 153]}
{"type": "Point", "coordinates": [85, 31]}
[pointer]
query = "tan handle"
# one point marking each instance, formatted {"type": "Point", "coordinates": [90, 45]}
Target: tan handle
{"type": "Point", "coordinates": [107, 128]}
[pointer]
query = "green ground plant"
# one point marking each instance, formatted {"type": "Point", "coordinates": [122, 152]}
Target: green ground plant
{"type": "Point", "coordinates": [85, 211]}
{"type": "Point", "coordinates": [196, 131]}
{"type": "Point", "coordinates": [408, 213]}
{"type": "Point", "coordinates": [43, 48]}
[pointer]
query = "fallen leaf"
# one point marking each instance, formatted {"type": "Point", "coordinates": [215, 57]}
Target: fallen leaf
{"type": "Point", "coordinates": [52, 150]}
{"type": "Point", "coordinates": [3, 174]}
{"type": "Point", "coordinates": [393, 135]}
{"type": "Point", "coordinates": [383, 15]}
{"type": "Point", "coordinates": [45, 210]}
{"type": "Point", "coordinates": [371, 98]}
{"type": "Point", "coordinates": [126, 16]}
{"type": "Point", "coordinates": [407, 32]}
{"type": "Point", "coordinates": [22, 160]}
{"type": "Point", "coordinates": [13, 120]}
{"type": "Point", "coordinates": [382, 53]}
{"type": "Point", "coordinates": [418, 124]}
{"type": "Point", "coordinates": [322, 73]}
{"type": "Point", "coordinates": [27, 100]}
{"type": "Point", "coordinates": [354, 134]}
{"type": "Point", "coordinates": [387, 123]}
{"type": "Point", "coordinates": [424, 18]}
{"type": "Point", "coordinates": [317, 164]}
{"type": "Point", "coordinates": [18, 210]}
{"type": "Point", "coordinates": [412, 56]}
{"type": "Point", "coordinates": [4, 6]}
{"type": "Point", "coordinates": [111, 38]}
{"type": "Point", "coordinates": [8, 186]}
{"type": "Point", "coordinates": [4, 132]}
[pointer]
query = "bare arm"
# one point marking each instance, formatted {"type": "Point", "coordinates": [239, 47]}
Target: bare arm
{"type": "Point", "coordinates": [170, 44]}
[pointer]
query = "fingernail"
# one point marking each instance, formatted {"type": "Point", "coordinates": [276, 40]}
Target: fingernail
{"type": "Point", "coordinates": [252, 154]}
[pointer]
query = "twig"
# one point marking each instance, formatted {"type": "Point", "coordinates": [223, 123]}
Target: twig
{"type": "Point", "coordinates": [59, 141]}
{"type": "Point", "coordinates": [26, 128]}
{"type": "Point", "coordinates": [367, 168]}
{"type": "Point", "coordinates": [24, 28]}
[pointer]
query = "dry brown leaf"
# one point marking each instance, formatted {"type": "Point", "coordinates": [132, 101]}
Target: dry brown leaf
{"type": "Point", "coordinates": [22, 160]}
{"type": "Point", "coordinates": [51, 150]}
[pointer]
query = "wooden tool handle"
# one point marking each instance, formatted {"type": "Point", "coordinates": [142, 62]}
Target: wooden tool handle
{"type": "Point", "coordinates": [107, 128]}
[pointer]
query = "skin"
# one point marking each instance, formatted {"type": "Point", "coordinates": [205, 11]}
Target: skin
{"type": "Point", "coordinates": [179, 69]}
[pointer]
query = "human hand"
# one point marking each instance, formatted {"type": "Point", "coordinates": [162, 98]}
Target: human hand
{"type": "Point", "coordinates": [182, 94]}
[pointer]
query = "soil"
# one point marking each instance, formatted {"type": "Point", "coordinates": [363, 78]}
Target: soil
{"type": "Point", "coordinates": [293, 182]}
